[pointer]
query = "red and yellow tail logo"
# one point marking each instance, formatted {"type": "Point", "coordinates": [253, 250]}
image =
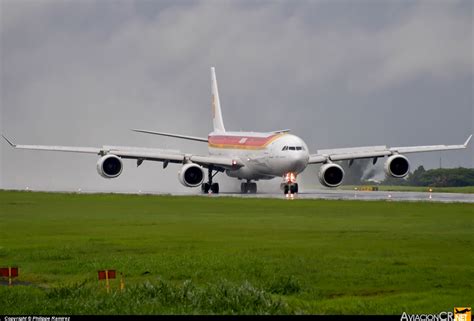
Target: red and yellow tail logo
{"type": "Point", "coordinates": [462, 314]}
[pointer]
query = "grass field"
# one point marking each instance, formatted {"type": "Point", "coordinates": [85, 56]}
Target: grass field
{"type": "Point", "coordinates": [463, 189]}
{"type": "Point", "coordinates": [204, 255]}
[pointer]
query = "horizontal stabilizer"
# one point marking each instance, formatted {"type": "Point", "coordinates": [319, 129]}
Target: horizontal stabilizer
{"type": "Point", "coordinates": [199, 139]}
{"type": "Point", "coordinates": [281, 131]}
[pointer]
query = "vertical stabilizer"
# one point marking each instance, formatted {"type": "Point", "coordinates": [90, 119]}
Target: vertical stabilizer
{"type": "Point", "coordinates": [216, 105]}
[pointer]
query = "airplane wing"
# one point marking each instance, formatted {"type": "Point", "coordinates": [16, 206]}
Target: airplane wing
{"type": "Point", "coordinates": [325, 155]}
{"type": "Point", "coordinates": [141, 154]}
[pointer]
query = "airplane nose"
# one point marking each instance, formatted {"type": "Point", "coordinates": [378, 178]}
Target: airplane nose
{"type": "Point", "coordinates": [299, 162]}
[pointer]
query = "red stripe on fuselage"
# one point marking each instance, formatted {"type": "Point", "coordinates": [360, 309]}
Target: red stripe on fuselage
{"type": "Point", "coordinates": [241, 142]}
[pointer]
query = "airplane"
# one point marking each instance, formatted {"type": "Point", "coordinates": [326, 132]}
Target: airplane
{"type": "Point", "coordinates": [463, 311]}
{"type": "Point", "coordinates": [247, 156]}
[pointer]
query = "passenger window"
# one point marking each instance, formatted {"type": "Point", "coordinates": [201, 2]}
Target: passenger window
{"type": "Point", "coordinates": [291, 148]}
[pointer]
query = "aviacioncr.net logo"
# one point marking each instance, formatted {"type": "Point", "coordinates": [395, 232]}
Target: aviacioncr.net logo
{"type": "Point", "coordinates": [442, 316]}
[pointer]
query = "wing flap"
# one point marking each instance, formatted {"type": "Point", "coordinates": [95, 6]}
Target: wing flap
{"type": "Point", "coordinates": [153, 156]}
{"type": "Point", "coordinates": [359, 155]}
{"type": "Point", "coordinates": [219, 161]}
{"type": "Point", "coordinates": [351, 150]}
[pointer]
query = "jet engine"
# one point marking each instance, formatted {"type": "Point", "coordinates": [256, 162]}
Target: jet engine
{"type": "Point", "coordinates": [331, 175]}
{"type": "Point", "coordinates": [109, 166]}
{"type": "Point", "coordinates": [191, 175]}
{"type": "Point", "coordinates": [397, 166]}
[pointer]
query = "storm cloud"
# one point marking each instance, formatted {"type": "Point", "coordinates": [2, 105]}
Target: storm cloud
{"type": "Point", "coordinates": [338, 73]}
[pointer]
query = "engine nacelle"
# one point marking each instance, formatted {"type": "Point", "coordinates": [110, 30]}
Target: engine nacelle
{"type": "Point", "coordinates": [397, 166]}
{"type": "Point", "coordinates": [331, 175]}
{"type": "Point", "coordinates": [191, 175]}
{"type": "Point", "coordinates": [109, 166]}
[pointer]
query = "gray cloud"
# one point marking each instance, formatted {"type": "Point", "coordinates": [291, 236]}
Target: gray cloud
{"type": "Point", "coordinates": [339, 74]}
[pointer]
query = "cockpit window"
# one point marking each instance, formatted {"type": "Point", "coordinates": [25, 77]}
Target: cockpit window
{"type": "Point", "coordinates": [293, 148]}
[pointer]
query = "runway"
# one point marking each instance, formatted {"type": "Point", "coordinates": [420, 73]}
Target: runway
{"type": "Point", "coordinates": [365, 196]}
{"type": "Point", "coordinates": [306, 194]}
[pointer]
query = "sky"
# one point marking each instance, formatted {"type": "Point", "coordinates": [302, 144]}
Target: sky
{"type": "Point", "coordinates": [338, 73]}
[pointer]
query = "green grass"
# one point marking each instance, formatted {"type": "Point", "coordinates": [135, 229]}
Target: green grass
{"type": "Point", "coordinates": [205, 255]}
{"type": "Point", "coordinates": [463, 189]}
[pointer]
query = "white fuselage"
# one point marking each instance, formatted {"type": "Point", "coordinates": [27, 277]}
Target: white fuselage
{"type": "Point", "coordinates": [265, 155]}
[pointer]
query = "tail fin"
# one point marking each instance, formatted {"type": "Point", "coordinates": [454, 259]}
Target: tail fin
{"type": "Point", "coordinates": [216, 104]}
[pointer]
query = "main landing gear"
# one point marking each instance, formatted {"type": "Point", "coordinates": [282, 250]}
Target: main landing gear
{"type": "Point", "coordinates": [289, 185]}
{"type": "Point", "coordinates": [209, 186]}
{"type": "Point", "coordinates": [248, 187]}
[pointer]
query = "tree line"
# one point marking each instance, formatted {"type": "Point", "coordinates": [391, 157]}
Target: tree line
{"type": "Point", "coordinates": [439, 177]}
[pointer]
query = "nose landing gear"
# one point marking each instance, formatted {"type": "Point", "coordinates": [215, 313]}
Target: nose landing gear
{"type": "Point", "coordinates": [289, 185]}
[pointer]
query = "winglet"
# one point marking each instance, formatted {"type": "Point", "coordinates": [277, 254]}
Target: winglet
{"type": "Point", "coordinates": [9, 142]}
{"type": "Point", "coordinates": [467, 141]}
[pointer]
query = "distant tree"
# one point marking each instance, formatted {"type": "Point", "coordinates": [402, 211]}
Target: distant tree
{"type": "Point", "coordinates": [440, 177]}
{"type": "Point", "coordinates": [389, 180]}
{"type": "Point", "coordinates": [414, 178]}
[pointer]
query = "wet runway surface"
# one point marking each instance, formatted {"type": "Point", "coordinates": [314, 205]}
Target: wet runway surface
{"type": "Point", "coordinates": [318, 194]}
{"type": "Point", "coordinates": [365, 195]}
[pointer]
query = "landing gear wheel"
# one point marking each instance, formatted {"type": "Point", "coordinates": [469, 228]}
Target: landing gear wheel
{"type": "Point", "coordinates": [248, 187]}
{"type": "Point", "coordinates": [205, 188]}
{"type": "Point", "coordinates": [252, 187]}
{"type": "Point", "coordinates": [294, 188]}
{"type": "Point", "coordinates": [215, 188]}
{"type": "Point", "coordinates": [286, 189]}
